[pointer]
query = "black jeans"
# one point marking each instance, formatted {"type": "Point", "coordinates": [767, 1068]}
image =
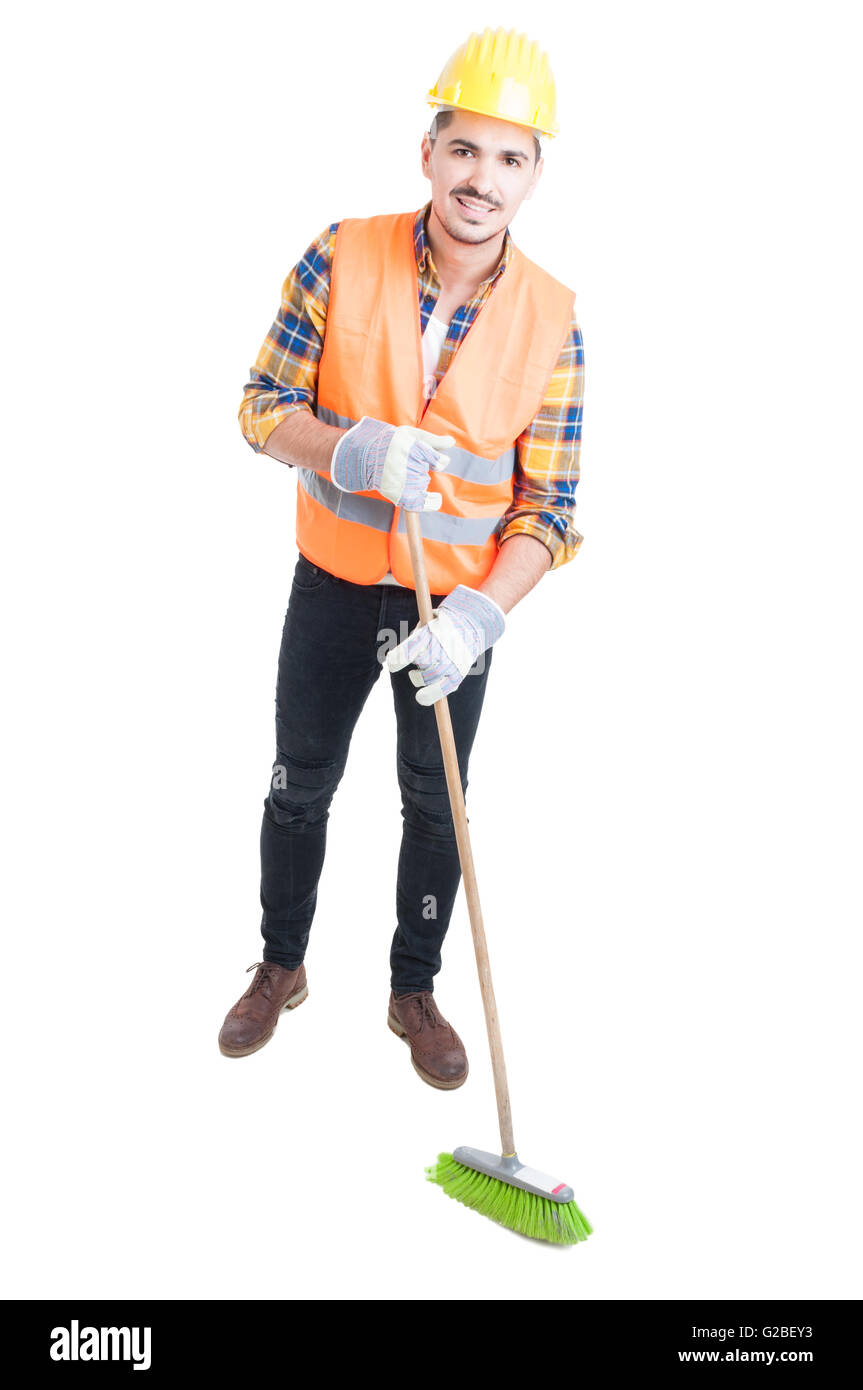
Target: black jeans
{"type": "Point", "coordinates": [335, 637]}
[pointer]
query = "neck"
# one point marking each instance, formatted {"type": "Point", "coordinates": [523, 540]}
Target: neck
{"type": "Point", "coordinates": [461, 263]}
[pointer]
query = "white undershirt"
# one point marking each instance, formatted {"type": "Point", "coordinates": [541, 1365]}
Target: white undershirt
{"type": "Point", "coordinates": [432, 342]}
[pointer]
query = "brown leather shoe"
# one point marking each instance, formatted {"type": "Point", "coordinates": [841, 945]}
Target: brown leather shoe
{"type": "Point", "coordinates": [252, 1021]}
{"type": "Point", "coordinates": [437, 1051]}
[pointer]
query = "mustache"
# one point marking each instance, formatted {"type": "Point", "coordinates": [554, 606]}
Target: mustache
{"type": "Point", "coordinates": [477, 197]}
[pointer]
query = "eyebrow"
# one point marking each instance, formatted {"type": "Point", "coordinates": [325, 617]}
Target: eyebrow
{"type": "Point", "coordinates": [469, 145]}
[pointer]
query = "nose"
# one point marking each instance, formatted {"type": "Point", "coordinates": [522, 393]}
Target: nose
{"type": "Point", "coordinates": [482, 179]}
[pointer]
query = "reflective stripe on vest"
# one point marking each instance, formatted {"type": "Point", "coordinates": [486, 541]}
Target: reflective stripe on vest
{"type": "Point", "coordinates": [372, 366]}
{"type": "Point", "coordinates": [374, 512]}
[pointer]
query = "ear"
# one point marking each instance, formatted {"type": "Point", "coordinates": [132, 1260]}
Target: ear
{"type": "Point", "coordinates": [425, 155]}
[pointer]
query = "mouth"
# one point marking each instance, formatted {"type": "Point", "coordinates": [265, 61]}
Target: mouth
{"type": "Point", "coordinates": [475, 209]}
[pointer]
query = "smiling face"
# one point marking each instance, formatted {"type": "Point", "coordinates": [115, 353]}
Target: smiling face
{"type": "Point", "coordinates": [481, 170]}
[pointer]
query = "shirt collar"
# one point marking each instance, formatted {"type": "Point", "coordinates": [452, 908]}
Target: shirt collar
{"type": "Point", "coordinates": [424, 255]}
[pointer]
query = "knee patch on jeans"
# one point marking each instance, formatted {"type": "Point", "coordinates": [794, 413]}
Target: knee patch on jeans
{"type": "Point", "coordinates": [424, 793]}
{"type": "Point", "coordinates": [301, 789]}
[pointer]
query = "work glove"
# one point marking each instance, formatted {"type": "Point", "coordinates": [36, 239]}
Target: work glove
{"type": "Point", "coordinates": [393, 460]}
{"type": "Point", "coordinates": [444, 649]}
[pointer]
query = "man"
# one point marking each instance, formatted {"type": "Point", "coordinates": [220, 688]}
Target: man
{"type": "Point", "coordinates": [371, 385]}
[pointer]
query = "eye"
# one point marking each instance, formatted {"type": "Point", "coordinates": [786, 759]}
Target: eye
{"type": "Point", "coordinates": [513, 162]}
{"type": "Point", "coordinates": [461, 150]}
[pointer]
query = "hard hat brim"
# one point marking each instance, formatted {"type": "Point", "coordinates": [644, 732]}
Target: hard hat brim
{"type": "Point", "coordinates": [493, 116]}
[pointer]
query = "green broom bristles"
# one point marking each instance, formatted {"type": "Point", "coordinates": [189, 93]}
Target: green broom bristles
{"type": "Point", "coordinates": [525, 1212]}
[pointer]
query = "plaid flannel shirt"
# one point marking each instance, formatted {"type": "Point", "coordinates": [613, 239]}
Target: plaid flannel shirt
{"type": "Point", "coordinates": [284, 379]}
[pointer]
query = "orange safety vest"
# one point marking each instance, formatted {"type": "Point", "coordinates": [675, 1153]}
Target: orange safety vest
{"type": "Point", "coordinates": [372, 365]}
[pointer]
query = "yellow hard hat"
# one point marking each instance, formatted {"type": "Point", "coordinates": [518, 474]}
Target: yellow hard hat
{"type": "Point", "coordinates": [500, 73]}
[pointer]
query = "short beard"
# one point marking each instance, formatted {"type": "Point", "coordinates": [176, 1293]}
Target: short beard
{"type": "Point", "coordinates": [458, 235]}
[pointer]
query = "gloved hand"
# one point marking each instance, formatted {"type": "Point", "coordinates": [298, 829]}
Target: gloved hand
{"type": "Point", "coordinates": [443, 650]}
{"type": "Point", "coordinates": [393, 460]}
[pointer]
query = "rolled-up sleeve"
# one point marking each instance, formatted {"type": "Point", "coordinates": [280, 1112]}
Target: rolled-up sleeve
{"type": "Point", "coordinates": [285, 375]}
{"type": "Point", "coordinates": [548, 461]}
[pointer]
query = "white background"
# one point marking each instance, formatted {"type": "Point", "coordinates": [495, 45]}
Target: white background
{"type": "Point", "coordinates": [665, 790]}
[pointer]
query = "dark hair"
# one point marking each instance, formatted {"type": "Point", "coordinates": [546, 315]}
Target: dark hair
{"type": "Point", "coordinates": [443, 117]}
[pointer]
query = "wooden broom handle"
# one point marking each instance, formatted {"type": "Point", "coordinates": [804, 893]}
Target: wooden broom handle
{"type": "Point", "coordinates": [459, 816]}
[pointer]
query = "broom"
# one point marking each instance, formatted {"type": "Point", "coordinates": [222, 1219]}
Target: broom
{"type": "Point", "coordinates": [503, 1188]}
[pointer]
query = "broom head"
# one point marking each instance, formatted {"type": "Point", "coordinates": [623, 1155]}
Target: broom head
{"type": "Point", "coordinates": [521, 1198]}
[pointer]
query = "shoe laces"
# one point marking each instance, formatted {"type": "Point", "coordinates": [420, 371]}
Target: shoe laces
{"type": "Point", "coordinates": [260, 981]}
{"type": "Point", "coordinates": [426, 1011]}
